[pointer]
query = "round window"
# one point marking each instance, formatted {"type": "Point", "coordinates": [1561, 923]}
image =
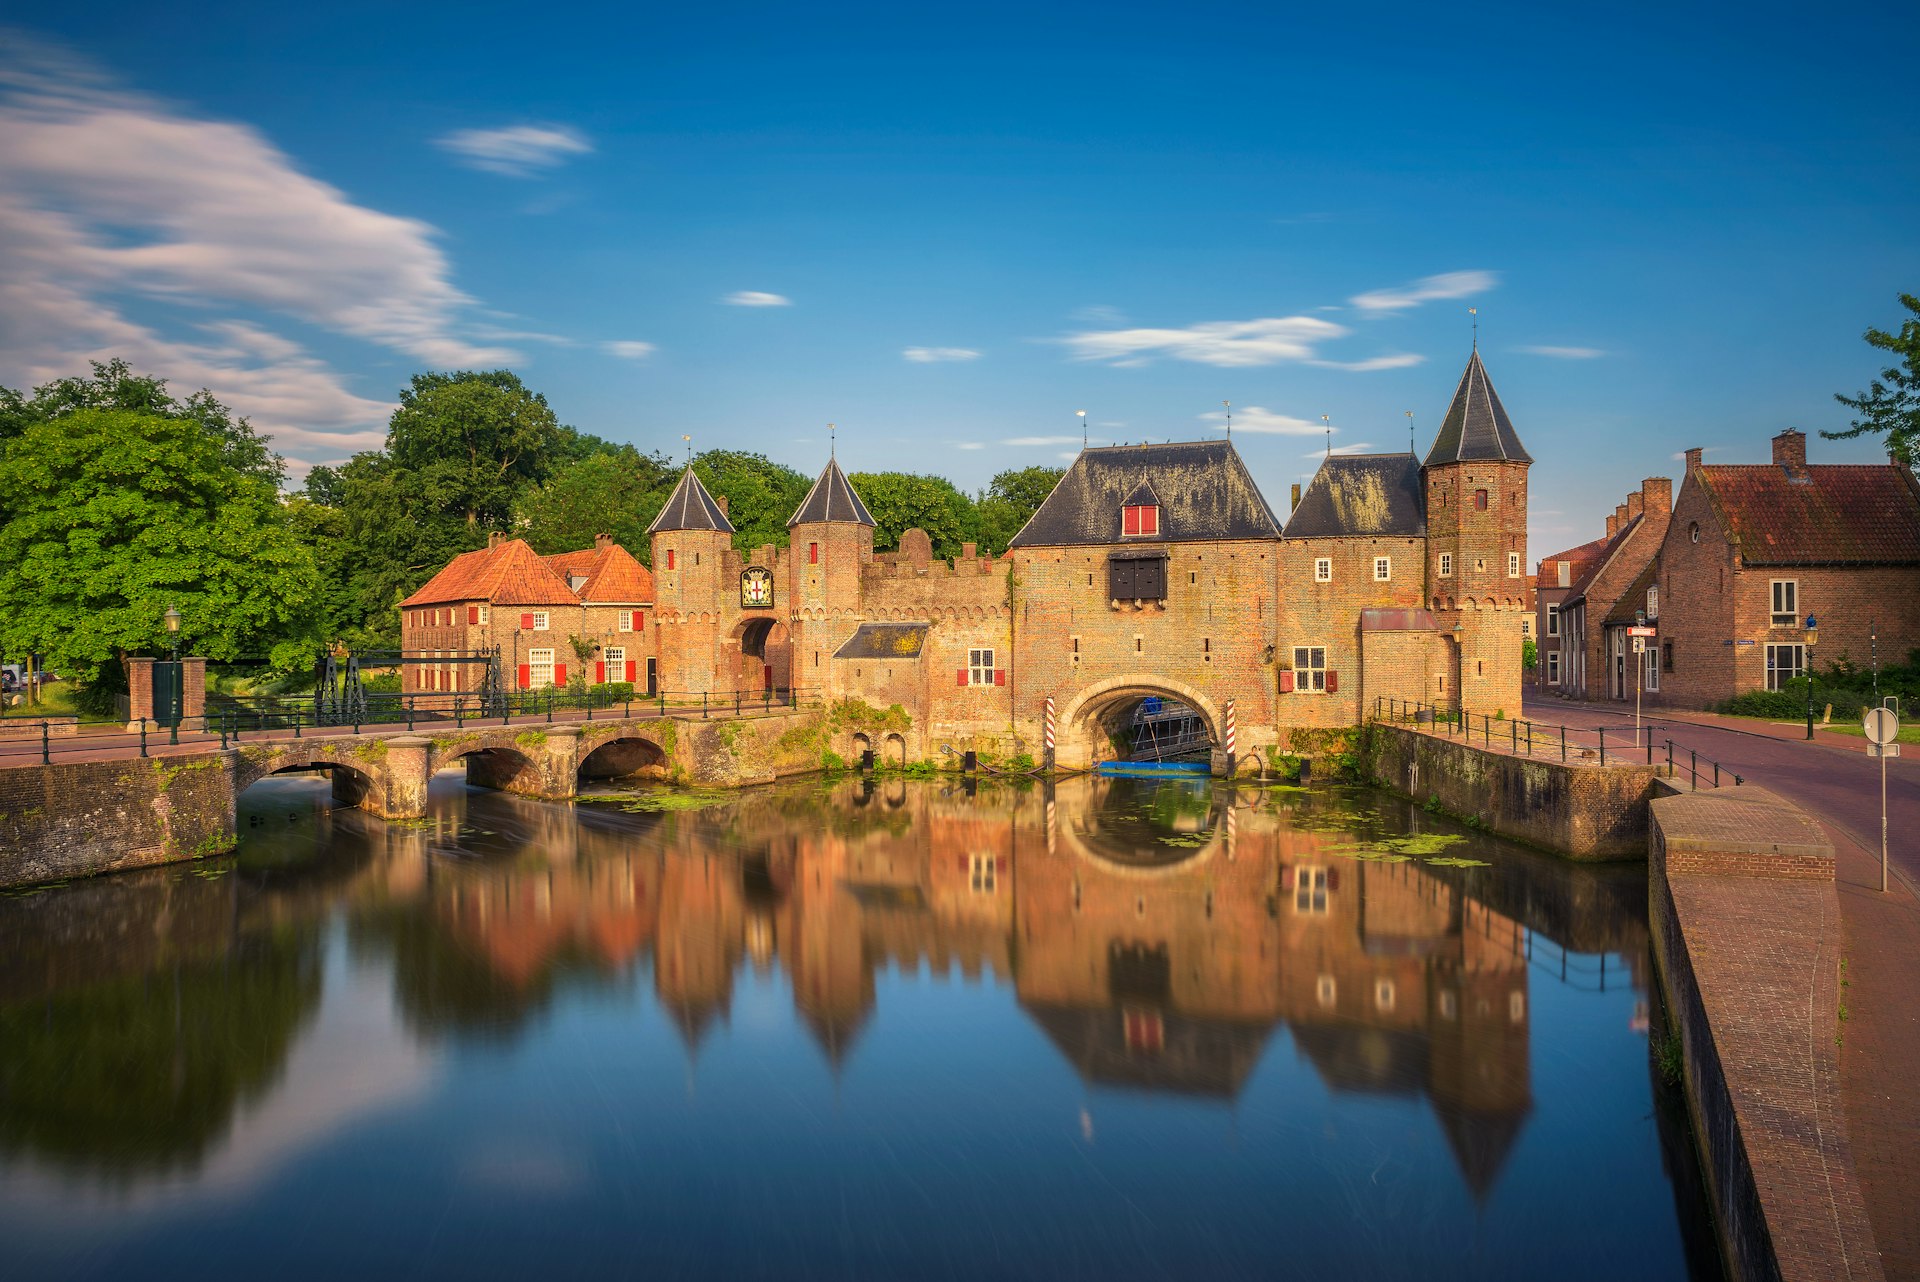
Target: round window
{"type": "Point", "coordinates": [1693, 531]}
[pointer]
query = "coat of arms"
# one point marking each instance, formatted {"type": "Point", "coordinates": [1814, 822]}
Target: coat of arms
{"type": "Point", "coordinates": [756, 588]}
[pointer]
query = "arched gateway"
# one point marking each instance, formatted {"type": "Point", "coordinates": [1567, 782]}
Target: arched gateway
{"type": "Point", "coordinates": [1090, 716]}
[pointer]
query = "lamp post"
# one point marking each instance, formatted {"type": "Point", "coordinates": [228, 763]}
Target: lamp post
{"type": "Point", "coordinates": [173, 640]}
{"type": "Point", "coordinates": [1813, 639]}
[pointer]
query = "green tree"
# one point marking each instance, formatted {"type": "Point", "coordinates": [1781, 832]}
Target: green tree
{"type": "Point", "coordinates": [1891, 403]}
{"type": "Point", "coordinates": [615, 492]}
{"type": "Point", "coordinates": [1010, 502]}
{"type": "Point", "coordinates": [116, 515]}
{"type": "Point", "coordinates": [474, 441]}
{"type": "Point", "coordinates": [900, 501]}
{"type": "Point", "coordinates": [761, 495]}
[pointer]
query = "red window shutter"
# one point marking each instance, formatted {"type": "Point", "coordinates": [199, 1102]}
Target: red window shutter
{"type": "Point", "coordinates": [639, 621]}
{"type": "Point", "coordinates": [813, 554]}
{"type": "Point", "coordinates": [1130, 520]}
{"type": "Point", "coordinates": [526, 623]}
{"type": "Point", "coordinates": [630, 668]}
{"type": "Point", "coordinates": [1286, 683]}
{"type": "Point", "coordinates": [559, 674]}
{"type": "Point", "coordinates": [1333, 880]}
{"type": "Point", "coordinates": [1000, 865]}
{"type": "Point", "coordinates": [1333, 682]}
{"type": "Point", "coordinates": [999, 676]}
{"type": "Point", "coordinates": [473, 614]}
{"type": "Point", "coordinates": [961, 677]}
{"type": "Point", "coordinates": [964, 865]}
{"type": "Point", "coordinates": [1286, 878]}
{"type": "Point", "coordinates": [1150, 523]}
{"type": "Point", "coordinates": [526, 676]}
{"type": "Point", "coordinates": [599, 671]}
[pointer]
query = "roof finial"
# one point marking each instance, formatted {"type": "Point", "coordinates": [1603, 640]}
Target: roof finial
{"type": "Point", "coordinates": [833, 440]}
{"type": "Point", "coordinates": [689, 440]}
{"type": "Point", "coordinates": [1083, 428]}
{"type": "Point", "coordinates": [1229, 405]}
{"type": "Point", "coordinates": [1328, 420]}
{"type": "Point", "coordinates": [1410, 448]}
{"type": "Point", "coordinates": [1475, 313]}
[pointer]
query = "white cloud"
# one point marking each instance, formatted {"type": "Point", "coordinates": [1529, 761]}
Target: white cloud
{"type": "Point", "coordinates": [1398, 361]}
{"type": "Point", "coordinates": [516, 151]}
{"type": "Point", "coordinates": [1256, 419]}
{"type": "Point", "coordinates": [932, 355]}
{"type": "Point", "coordinates": [628, 349]}
{"type": "Point", "coordinates": [1041, 440]}
{"type": "Point", "coordinates": [1069, 455]}
{"type": "Point", "coordinates": [1358, 447]}
{"type": "Point", "coordinates": [1427, 289]}
{"type": "Point", "coordinates": [970, 445]}
{"type": "Point", "coordinates": [106, 196]}
{"type": "Point", "coordinates": [1565, 353]}
{"type": "Point", "coordinates": [1265, 341]}
{"type": "Point", "coordinates": [756, 298]}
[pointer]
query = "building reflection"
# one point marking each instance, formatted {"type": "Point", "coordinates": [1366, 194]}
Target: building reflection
{"type": "Point", "coordinates": [1159, 935]}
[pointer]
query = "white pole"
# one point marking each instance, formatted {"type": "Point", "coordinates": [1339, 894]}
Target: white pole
{"type": "Point", "coordinates": [1883, 817]}
{"type": "Point", "coordinates": [1639, 679]}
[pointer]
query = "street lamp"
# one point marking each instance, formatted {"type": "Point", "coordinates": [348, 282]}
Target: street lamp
{"type": "Point", "coordinates": [173, 631]}
{"type": "Point", "coordinates": [173, 640]}
{"type": "Point", "coordinates": [1813, 639]}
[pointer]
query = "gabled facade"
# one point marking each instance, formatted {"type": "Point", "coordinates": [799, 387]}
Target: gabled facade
{"type": "Point", "coordinates": [1597, 654]}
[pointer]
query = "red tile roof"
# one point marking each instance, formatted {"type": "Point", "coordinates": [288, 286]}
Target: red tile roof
{"type": "Point", "coordinates": [1581, 557]}
{"type": "Point", "coordinates": [612, 575]}
{"type": "Point", "coordinates": [510, 574]}
{"type": "Point", "coordinates": [1828, 514]}
{"type": "Point", "coordinates": [1585, 574]}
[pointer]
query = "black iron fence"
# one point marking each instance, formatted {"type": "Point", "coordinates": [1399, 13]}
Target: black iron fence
{"type": "Point", "coordinates": [1591, 745]}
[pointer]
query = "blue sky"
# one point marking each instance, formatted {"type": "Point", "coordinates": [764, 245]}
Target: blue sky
{"type": "Point", "coordinates": [1675, 223]}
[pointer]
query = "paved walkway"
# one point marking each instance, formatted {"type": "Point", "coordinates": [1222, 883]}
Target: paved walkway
{"type": "Point", "coordinates": [1834, 780]}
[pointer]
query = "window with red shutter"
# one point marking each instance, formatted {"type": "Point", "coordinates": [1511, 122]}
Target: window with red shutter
{"type": "Point", "coordinates": [813, 554]}
{"type": "Point", "coordinates": [960, 678]}
{"type": "Point", "coordinates": [630, 668]}
{"type": "Point", "coordinates": [1130, 520]}
{"type": "Point", "coordinates": [1286, 683]}
{"type": "Point", "coordinates": [559, 674]}
{"type": "Point", "coordinates": [1333, 682]}
{"type": "Point", "coordinates": [473, 614]}
{"type": "Point", "coordinates": [639, 621]}
{"type": "Point", "coordinates": [526, 623]}
{"type": "Point", "coordinates": [999, 676]}
{"type": "Point", "coordinates": [526, 676]}
{"type": "Point", "coordinates": [669, 558]}
{"type": "Point", "coordinates": [599, 671]}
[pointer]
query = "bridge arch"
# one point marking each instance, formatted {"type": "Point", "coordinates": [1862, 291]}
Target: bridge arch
{"type": "Point", "coordinates": [1082, 738]}
{"type": "Point", "coordinates": [493, 765]}
{"type": "Point", "coordinates": [622, 757]}
{"type": "Point", "coordinates": [355, 783]}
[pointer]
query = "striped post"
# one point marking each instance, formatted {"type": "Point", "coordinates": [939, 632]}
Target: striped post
{"type": "Point", "coordinates": [1052, 820]}
{"type": "Point", "coordinates": [1049, 748]}
{"type": "Point", "coordinates": [1233, 831]}
{"type": "Point", "coordinates": [1230, 739]}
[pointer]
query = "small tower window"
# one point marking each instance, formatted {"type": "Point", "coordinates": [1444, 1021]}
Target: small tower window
{"type": "Point", "coordinates": [669, 558]}
{"type": "Point", "coordinates": [1137, 519]}
{"type": "Point", "coordinates": [1480, 500]}
{"type": "Point", "coordinates": [1446, 565]}
{"type": "Point", "coordinates": [1382, 569]}
{"type": "Point", "coordinates": [813, 554]}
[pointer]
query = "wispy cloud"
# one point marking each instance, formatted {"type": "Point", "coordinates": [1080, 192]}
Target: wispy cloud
{"type": "Point", "coordinates": [107, 196]}
{"type": "Point", "coordinates": [1041, 440]}
{"type": "Point", "coordinates": [970, 445]}
{"type": "Point", "coordinates": [1358, 447]}
{"type": "Point", "coordinates": [1426, 290]}
{"type": "Point", "coordinates": [1565, 353]}
{"type": "Point", "coordinates": [628, 349]}
{"type": "Point", "coordinates": [515, 151]}
{"type": "Point", "coordinates": [1265, 341]}
{"type": "Point", "coordinates": [1400, 360]}
{"type": "Point", "coordinates": [935, 355]}
{"type": "Point", "coordinates": [1257, 419]}
{"type": "Point", "coordinates": [756, 298]}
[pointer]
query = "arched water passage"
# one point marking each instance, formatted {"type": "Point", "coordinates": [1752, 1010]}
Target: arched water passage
{"type": "Point", "coordinates": [502, 769]}
{"type": "Point", "coordinates": [1096, 724]}
{"type": "Point", "coordinates": [625, 759]}
{"type": "Point", "coordinates": [765, 660]}
{"type": "Point", "coordinates": [351, 786]}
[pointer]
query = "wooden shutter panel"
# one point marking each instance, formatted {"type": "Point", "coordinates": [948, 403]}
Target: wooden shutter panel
{"type": "Point", "coordinates": [559, 674]}
{"type": "Point", "coordinates": [1333, 880]}
{"type": "Point", "coordinates": [526, 623]}
{"type": "Point", "coordinates": [526, 676]}
{"type": "Point", "coordinates": [630, 668]}
{"type": "Point", "coordinates": [473, 614]}
{"type": "Point", "coordinates": [999, 676]}
{"type": "Point", "coordinates": [961, 677]}
{"type": "Point", "coordinates": [1333, 682]}
{"type": "Point", "coordinates": [1286, 683]}
{"type": "Point", "coordinates": [1286, 877]}
{"type": "Point", "coordinates": [1120, 580]}
{"type": "Point", "coordinates": [599, 671]}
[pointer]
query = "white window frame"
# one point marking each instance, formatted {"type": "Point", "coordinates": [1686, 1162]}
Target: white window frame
{"type": "Point", "coordinates": [483, 611]}
{"type": "Point", "coordinates": [1553, 667]}
{"type": "Point", "coordinates": [624, 623]}
{"type": "Point", "coordinates": [1323, 569]}
{"type": "Point", "coordinates": [981, 874]}
{"type": "Point", "coordinates": [1783, 596]}
{"type": "Point", "coordinates": [1310, 890]}
{"type": "Point", "coordinates": [1566, 574]}
{"type": "Point", "coordinates": [1382, 569]}
{"type": "Point", "coordinates": [980, 667]}
{"type": "Point", "coordinates": [1385, 995]}
{"type": "Point", "coordinates": [1553, 618]}
{"type": "Point", "coordinates": [615, 657]}
{"type": "Point", "coordinates": [1778, 675]}
{"type": "Point", "coordinates": [1653, 601]}
{"type": "Point", "coordinates": [1650, 667]}
{"type": "Point", "coordinates": [1513, 565]}
{"type": "Point", "coordinates": [535, 663]}
{"type": "Point", "coordinates": [1326, 990]}
{"type": "Point", "coordinates": [1446, 565]}
{"type": "Point", "coordinates": [540, 620]}
{"type": "Point", "coordinates": [1309, 677]}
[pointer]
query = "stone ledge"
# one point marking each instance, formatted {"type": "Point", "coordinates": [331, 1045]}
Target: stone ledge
{"type": "Point", "coordinates": [1744, 831]}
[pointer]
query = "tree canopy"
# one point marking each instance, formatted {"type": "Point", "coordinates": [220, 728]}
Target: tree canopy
{"type": "Point", "coordinates": [761, 495]}
{"type": "Point", "coordinates": [1011, 500]}
{"type": "Point", "coordinates": [899, 501]}
{"type": "Point", "coordinates": [115, 515]}
{"type": "Point", "coordinates": [617, 492]}
{"type": "Point", "coordinates": [1891, 403]}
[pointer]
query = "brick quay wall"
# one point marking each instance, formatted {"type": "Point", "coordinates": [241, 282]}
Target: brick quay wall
{"type": "Point", "coordinates": [1746, 933]}
{"type": "Point", "coordinates": [73, 819]}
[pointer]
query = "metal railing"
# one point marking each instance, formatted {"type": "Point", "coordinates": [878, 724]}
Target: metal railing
{"type": "Point", "coordinates": [1521, 737]}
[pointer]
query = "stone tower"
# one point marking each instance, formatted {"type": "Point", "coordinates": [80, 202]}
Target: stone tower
{"type": "Point", "coordinates": [830, 544]}
{"type": "Point", "coordinates": [691, 537]}
{"type": "Point", "coordinates": [1475, 479]}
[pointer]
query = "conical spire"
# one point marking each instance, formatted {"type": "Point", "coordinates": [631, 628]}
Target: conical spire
{"type": "Point", "coordinates": [831, 499]}
{"type": "Point", "coordinates": [690, 507]}
{"type": "Point", "coordinates": [1476, 428]}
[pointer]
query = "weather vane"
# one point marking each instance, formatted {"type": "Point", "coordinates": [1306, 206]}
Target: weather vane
{"type": "Point", "coordinates": [1328, 420]}
{"type": "Point", "coordinates": [1410, 448]}
{"type": "Point", "coordinates": [1083, 428]}
{"type": "Point", "coordinates": [1475, 313]}
{"type": "Point", "coordinates": [832, 439]}
{"type": "Point", "coordinates": [1229, 405]}
{"type": "Point", "coordinates": [689, 440]}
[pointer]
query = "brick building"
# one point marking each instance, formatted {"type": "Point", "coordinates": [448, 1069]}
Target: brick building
{"type": "Point", "coordinates": [1604, 599]}
{"type": "Point", "coordinates": [1551, 587]}
{"type": "Point", "coordinates": [1754, 550]}
{"type": "Point", "coordinates": [1149, 571]}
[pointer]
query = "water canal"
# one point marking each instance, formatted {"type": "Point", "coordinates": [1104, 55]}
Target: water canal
{"type": "Point", "coordinates": [1113, 1029]}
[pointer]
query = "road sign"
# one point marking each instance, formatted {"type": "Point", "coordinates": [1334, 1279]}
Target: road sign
{"type": "Point", "coordinates": [1883, 750]}
{"type": "Point", "coordinates": [1639, 631]}
{"type": "Point", "coordinates": [1881, 725]}
{"type": "Point", "coordinates": [1639, 645]}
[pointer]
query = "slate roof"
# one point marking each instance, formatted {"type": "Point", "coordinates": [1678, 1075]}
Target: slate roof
{"type": "Point", "coordinates": [1361, 494]}
{"type": "Point", "coordinates": [832, 498]}
{"type": "Point", "coordinates": [1634, 599]}
{"type": "Point", "coordinates": [1198, 1056]}
{"type": "Point", "coordinates": [509, 574]}
{"type": "Point", "coordinates": [690, 507]}
{"type": "Point", "coordinates": [1476, 426]}
{"type": "Point", "coordinates": [613, 575]}
{"type": "Point", "coordinates": [884, 641]}
{"type": "Point", "coordinates": [1826, 514]}
{"type": "Point", "coordinates": [1206, 495]}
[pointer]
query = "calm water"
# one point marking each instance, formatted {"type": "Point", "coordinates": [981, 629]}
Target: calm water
{"type": "Point", "coordinates": [1117, 1030]}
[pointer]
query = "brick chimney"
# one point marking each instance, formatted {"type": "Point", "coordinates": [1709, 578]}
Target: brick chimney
{"type": "Point", "coordinates": [1790, 451]}
{"type": "Point", "coordinates": [1613, 525]}
{"type": "Point", "coordinates": [1693, 458]}
{"type": "Point", "coordinates": [494, 539]}
{"type": "Point", "coordinates": [968, 551]}
{"type": "Point", "coordinates": [721, 499]}
{"type": "Point", "coordinates": [1634, 504]}
{"type": "Point", "coordinates": [1620, 517]}
{"type": "Point", "coordinates": [601, 542]}
{"type": "Point", "coordinates": [1656, 494]}
{"type": "Point", "coordinates": [1296, 496]}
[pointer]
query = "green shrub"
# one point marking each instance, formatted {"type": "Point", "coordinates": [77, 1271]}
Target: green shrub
{"type": "Point", "coordinates": [1022, 762]}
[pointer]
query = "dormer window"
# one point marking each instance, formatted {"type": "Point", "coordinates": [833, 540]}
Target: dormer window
{"type": "Point", "coordinates": [1140, 518]}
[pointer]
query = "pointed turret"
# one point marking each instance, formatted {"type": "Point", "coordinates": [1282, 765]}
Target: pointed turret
{"type": "Point", "coordinates": [832, 498]}
{"type": "Point", "coordinates": [690, 507]}
{"type": "Point", "coordinates": [1476, 428]}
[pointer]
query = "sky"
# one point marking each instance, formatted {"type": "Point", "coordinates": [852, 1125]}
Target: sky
{"type": "Point", "coordinates": [945, 231]}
